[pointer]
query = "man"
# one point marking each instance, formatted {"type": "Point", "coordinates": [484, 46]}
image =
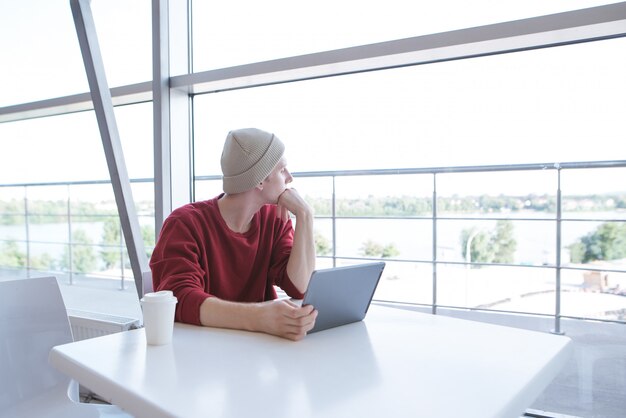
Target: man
{"type": "Point", "coordinates": [222, 257]}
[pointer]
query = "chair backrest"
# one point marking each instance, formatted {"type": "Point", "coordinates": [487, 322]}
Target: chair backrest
{"type": "Point", "coordinates": [146, 278]}
{"type": "Point", "coordinates": [33, 319]}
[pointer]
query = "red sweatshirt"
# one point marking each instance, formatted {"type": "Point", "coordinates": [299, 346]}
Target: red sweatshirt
{"type": "Point", "coordinates": [197, 256]}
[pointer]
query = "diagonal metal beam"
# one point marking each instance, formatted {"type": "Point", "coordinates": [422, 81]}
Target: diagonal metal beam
{"type": "Point", "coordinates": [103, 106]}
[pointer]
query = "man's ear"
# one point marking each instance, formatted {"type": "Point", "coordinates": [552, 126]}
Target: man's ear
{"type": "Point", "coordinates": [259, 186]}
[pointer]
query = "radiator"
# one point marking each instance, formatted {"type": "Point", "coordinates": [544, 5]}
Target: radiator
{"type": "Point", "coordinates": [92, 324]}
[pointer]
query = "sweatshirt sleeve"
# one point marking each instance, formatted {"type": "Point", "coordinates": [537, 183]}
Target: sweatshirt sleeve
{"type": "Point", "coordinates": [175, 266]}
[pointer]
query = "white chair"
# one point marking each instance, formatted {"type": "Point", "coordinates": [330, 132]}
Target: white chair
{"type": "Point", "coordinates": [33, 319]}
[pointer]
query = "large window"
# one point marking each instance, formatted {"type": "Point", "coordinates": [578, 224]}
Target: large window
{"type": "Point", "coordinates": [57, 210]}
{"type": "Point", "coordinates": [548, 105]}
{"type": "Point", "coordinates": [40, 53]}
{"type": "Point", "coordinates": [524, 108]}
{"type": "Point", "coordinates": [492, 185]}
{"type": "Point", "coordinates": [241, 32]}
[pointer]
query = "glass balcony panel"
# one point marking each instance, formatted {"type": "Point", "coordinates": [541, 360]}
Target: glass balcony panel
{"type": "Point", "coordinates": [12, 200]}
{"type": "Point", "coordinates": [406, 239]}
{"type": "Point", "coordinates": [510, 194]}
{"type": "Point", "coordinates": [406, 283]}
{"type": "Point", "coordinates": [285, 30]}
{"type": "Point", "coordinates": [95, 211]}
{"type": "Point", "coordinates": [526, 242]}
{"type": "Point", "coordinates": [48, 258]}
{"type": "Point", "coordinates": [12, 215]}
{"type": "Point", "coordinates": [402, 282]}
{"type": "Point", "coordinates": [116, 264]}
{"type": "Point", "coordinates": [144, 204]}
{"type": "Point", "coordinates": [85, 256]}
{"type": "Point", "coordinates": [12, 192]}
{"type": "Point", "coordinates": [317, 191]}
{"type": "Point", "coordinates": [406, 195]}
{"type": "Point", "coordinates": [92, 199]}
{"type": "Point", "coordinates": [594, 294]}
{"type": "Point", "coordinates": [594, 193]}
{"type": "Point", "coordinates": [46, 200]}
{"type": "Point", "coordinates": [12, 228]}
{"type": "Point", "coordinates": [112, 242]}
{"type": "Point", "coordinates": [594, 243]}
{"type": "Point", "coordinates": [94, 208]}
{"type": "Point", "coordinates": [143, 194]}
{"type": "Point", "coordinates": [323, 234]}
{"type": "Point", "coordinates": [52, 229]}
{"type": "Point", "coordinates": [515, 289]}
{"type": "Point", "coordinates": [13, 257]}
{"type": "Point", "coordinates": [323, 263]}
{"type": "Point", "coordinates": [90, 230]}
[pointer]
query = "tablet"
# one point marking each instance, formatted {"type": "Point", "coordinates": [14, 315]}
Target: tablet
{"type": "Point", "coordinates": [342, 295]}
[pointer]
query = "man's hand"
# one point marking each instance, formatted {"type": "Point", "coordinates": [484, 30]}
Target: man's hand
{"type": "Point", "coordinates": [285, 319]}
{"type": "Point", "coordinates": [276, 317]}
{"type": "Point", "coordinates": [291, 201]}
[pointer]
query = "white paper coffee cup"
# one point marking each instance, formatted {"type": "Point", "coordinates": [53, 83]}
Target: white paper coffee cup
{"type": "Point", "coordinates": [158, 316]}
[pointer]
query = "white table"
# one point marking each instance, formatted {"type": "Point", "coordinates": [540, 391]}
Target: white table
{"type": "Point", "coordinates": [396, 363]}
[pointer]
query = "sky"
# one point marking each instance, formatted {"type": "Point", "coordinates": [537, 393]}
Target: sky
{"type": "Point", "coordinates": [557, 104]}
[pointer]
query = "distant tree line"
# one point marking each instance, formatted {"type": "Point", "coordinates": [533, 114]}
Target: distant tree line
{"type": "Point", "coordinates": [50, 211]}
{"type": "Point", "coordinates": [422, 206]}
{"type": "Point", "coordinates": [53, 211]}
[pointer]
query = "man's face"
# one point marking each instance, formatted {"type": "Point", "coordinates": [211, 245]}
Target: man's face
{"type": "Point", "coordinates": [277, 181]}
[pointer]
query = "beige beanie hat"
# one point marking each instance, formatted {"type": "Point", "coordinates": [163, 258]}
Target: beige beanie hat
{"type": "Point", "coordinates": [249, 156]}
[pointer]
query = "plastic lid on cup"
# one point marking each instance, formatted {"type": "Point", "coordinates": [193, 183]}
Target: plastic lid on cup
{"type": "Point", "coordinates": [162, 296]}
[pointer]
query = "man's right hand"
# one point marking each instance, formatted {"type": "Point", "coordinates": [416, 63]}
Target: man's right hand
{"type": "Point", "coordinates": [285, 319]}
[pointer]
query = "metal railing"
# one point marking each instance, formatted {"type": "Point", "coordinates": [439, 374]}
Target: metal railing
{"type": "Point", "coordinates": [70, 244]}
{"type": "Point", "coordinates": [434, 216]}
